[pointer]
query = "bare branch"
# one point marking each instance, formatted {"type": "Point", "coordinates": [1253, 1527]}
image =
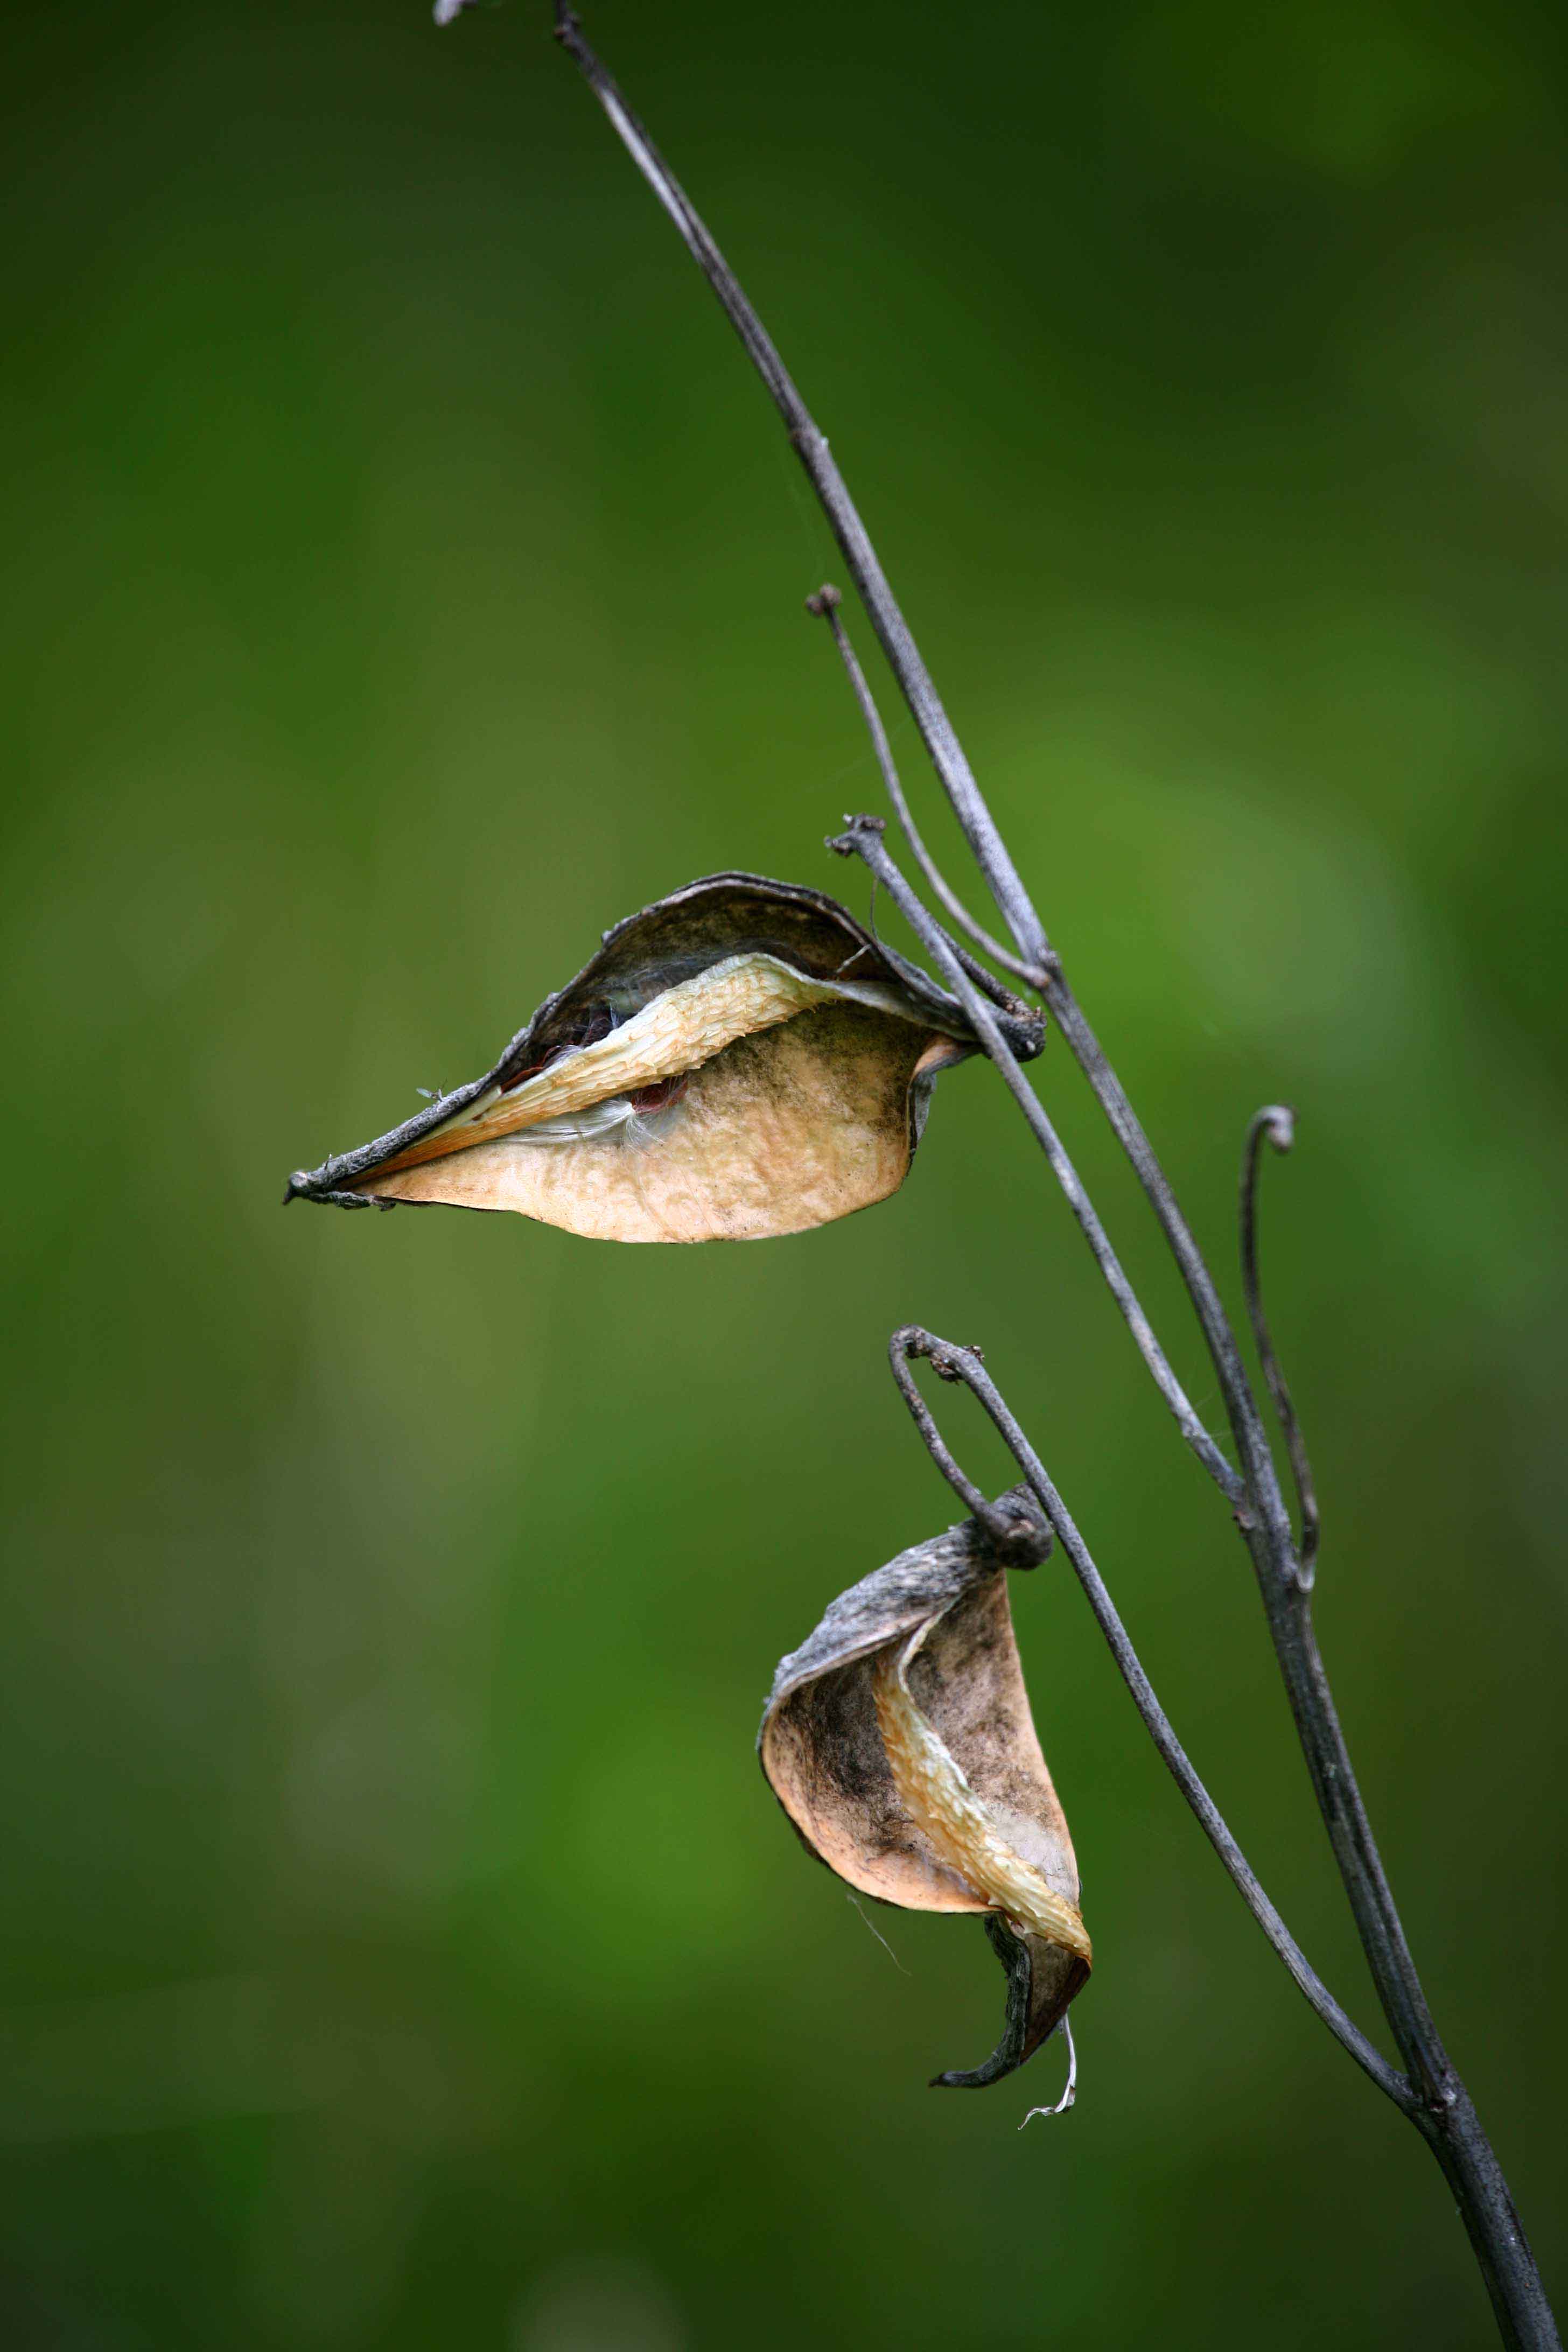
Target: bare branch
{"type": "Point", "coordinates": [1442, 2110]}
{"type": "Point", "coordinates": [964, 1365]}
{"type": "Point", "coordinates": [1277, 1123]}
{"type": "Point", "coordinates": [810, 446]}
{"type": "Point", "coordinates": [991, 855]}
{"type": "Point", "coordinates": [1273, 1555]}
{"type": "Point", "coordinates": [825, 603]}
{"type": "Point", "coordinates": [1288, 1603]}
{"type": "Point", "coordinates": [1022, 1541]}
{"type": "Point", "coordinates": [864, 840]}
{"type": "Point", "coordinates": [947, 755]}
{"type": "Point", "coordinates": [1322, 1736]}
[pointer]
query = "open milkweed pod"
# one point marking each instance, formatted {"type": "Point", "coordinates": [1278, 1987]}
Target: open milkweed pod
{"type": "Point", "coordinates": [898, 1740]}
{"type": "Point", "coordinates": [740, 1059]}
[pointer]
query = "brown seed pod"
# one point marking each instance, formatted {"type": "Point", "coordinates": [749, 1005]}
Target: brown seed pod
{"type": "Point", "coordinates": [898, 1740]}
{"type": "Point", "coordinates": [739, 1060]}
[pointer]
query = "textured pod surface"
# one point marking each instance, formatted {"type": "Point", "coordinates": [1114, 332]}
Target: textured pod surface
{"type": "Point", "coordinates": [739, 1060]}
{"type": "Point", "coordinates": [898, 1740]}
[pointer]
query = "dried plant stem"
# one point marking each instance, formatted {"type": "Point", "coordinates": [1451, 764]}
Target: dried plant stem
{"type": "Point", "coordinates": [811, 447]}
{"type": "Point", "coordinates": [826, 604]}
{"type": "Point", "coordinates": [864, 839]}
{"type": "Point", "coordinates": [1277, 1124]}
{"type": "Point", "coordinates": [1437, 2101]}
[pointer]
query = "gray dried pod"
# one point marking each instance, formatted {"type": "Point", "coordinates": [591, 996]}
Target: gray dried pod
{"type": "Point", "coordinates": [740, 1059]}
{"type": "Point", "coordinates": [898, 1740]}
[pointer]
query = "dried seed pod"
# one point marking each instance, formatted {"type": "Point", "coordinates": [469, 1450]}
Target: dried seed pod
{"type": "Point", "coordinates": [740, 1059]}
{"type": "Point", "coordinates": [898, 1740]}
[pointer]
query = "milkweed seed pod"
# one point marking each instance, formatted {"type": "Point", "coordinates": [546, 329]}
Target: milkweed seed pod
{"type": "Point", "coordinates": [740, 1059]}
{"type": "Point", "coordinates": [898, 1740]}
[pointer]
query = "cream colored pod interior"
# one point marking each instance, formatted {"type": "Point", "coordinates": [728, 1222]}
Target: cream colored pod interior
{"type": "Point", "coordinates": [898, 1740]}
{"type": "Point", "coordinates": [740, 1060]}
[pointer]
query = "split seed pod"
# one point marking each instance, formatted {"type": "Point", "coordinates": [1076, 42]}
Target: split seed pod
{"type": "Point", "coordinates": [740, 1059]}
{"type": "Point", "coordinates": [898, 1740]}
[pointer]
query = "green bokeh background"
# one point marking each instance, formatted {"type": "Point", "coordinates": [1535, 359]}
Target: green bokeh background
{"type": "Point", "coordinates": [402, 1949]}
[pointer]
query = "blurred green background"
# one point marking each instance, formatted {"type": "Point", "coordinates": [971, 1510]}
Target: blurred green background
{"type": "Point", "coordinates": [401, 1946]}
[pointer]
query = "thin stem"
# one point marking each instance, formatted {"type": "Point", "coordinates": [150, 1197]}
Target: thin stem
{"type": "Point", "coordinates": [1020, 1539]}
{"type": "Point", "coordinates": [825, 603]}
{"type": "Point", "coordinates": [1287, 1605]}
{"type": "Point", "coordinates": [1276, 1122]}
{"type": "Point", "coordinates": [1268, 1538]}
{"type": "Point", "coordinates": [964, 1364]}
{"type": "Point", "coordinates": [810, 446]}
{"type": "Point", "coordinates": [1275, 1557]}
{"type": "Point", "coordinates": [1247, 1427]}
{"type": "Point", "coordinates": [864, 840]}
{"type": "Point", "coordinates": [1445, 2115]}
{"type": "Point", "coordinates": [991, 987]}
{"type": "Point", "coordinates": [947, 756]}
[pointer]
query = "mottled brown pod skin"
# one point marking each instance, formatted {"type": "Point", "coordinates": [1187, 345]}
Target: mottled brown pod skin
{"type": "Point", "coordinates": [741, 1059]}
{"type": "Point", "coordinates": [898, 1740]}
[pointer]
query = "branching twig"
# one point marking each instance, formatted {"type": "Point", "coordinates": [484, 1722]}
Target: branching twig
{"type": "Point", "coordinates": [964, 1365]}
{"type": "Point", "coordinates": [825, 603]}
{"type": "Point", "coordinates": [864, 840]}
{"type": "Point", "coordinates": [1277, 1123]}
{"type": "Point", "coordinates": [1260, 1484]}
{"type": "Point", "coordinates": [1439, 2105]}
{"type": "Point", "coordinates": [1020, 1540]}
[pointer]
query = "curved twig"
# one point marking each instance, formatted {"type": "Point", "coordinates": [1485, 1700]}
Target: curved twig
{"type": "Point", "coordinates": [1445, 2114]}
{"type": "Point", "coordinates": [864, 840]}
{"type": "Point", "coordinates": [991, 853]}
{"type": "Point", "coordinates": [1269, 1532]}
{"type": "Point", "coordinates": [810, 446]}
{"type": "Point", "coordinates": [825, 605]}
{"type": "Point", "coordinates": [1023, 1541]}
{"type": "Point", "coordinates": [1277, 1122]}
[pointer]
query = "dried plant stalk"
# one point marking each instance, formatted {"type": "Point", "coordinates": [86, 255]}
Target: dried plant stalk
{"type": "Point", "coordinates": [1429, 2091]}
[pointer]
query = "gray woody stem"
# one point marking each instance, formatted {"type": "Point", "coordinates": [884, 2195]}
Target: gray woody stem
{"type": "Point", "coordinates": [864, 839]}
{"type": "Point", "coordinates": [1442, 2109]}
{"type": "Point", "coordinates": [826, 604]}
{"type": "Point", "coordinates": [811, 448]}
